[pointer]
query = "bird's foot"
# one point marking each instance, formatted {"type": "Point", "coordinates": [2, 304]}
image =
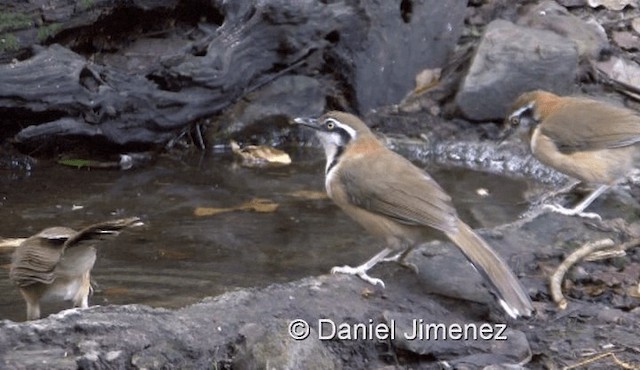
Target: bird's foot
{"type": "Point", "coordinates": [571, 211]}
{"type": "Point", "coordinates": [359, 271]}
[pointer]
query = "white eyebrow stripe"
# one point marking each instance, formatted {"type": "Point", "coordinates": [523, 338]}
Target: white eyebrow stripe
{"type": "Point", "coordinates": [341, 125]}
{"type": "Point", "coordinates": [521, 110]}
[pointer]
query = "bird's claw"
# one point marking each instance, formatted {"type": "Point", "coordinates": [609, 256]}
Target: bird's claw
{"type": "Point", "coordinates": [360, 272]}
{"type": "Point", "coordinates": [571, 212]}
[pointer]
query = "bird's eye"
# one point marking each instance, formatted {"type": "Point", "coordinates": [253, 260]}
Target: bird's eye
{"type": "Point", "coordinates": [330, 125]}
{"type": "Point", "coordinates": [514, 120]}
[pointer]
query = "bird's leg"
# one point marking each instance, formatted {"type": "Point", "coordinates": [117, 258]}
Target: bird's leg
{"type": "Point", "coordinates": [578, 209]}
{"type": "Point", "coordinates": [81, 298]}
{"type": "Point", "coordinates": [361, 271]}
{"type": "Point", "coordinates": [401, 259]}
{"type": "Point", "coordinates": [33, 305]}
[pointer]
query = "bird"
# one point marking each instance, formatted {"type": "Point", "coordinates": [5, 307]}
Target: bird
{"type": "Point", "coordinates": [396, 201]}
{"type": "Point", "coordinates": [586, 139]}
{"type": "Point", "coordinates": [57, 263]}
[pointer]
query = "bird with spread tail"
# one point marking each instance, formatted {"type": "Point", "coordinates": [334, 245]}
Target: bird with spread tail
{"type": "Point", "coordinates": [396, 201]}
{"type": "Point", "coordinates": [587, 139]}
{"type": "Point", "coordinates": [57, 263]}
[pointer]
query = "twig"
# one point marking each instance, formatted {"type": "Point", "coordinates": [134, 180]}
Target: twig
{"type": "Point", "coordinates": [622, 364]}
{"type": "Point", "coordinates": [555, 281]}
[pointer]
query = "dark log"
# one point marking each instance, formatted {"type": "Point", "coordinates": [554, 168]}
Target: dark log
{"type": "Point", "coordinates": [257, 41]}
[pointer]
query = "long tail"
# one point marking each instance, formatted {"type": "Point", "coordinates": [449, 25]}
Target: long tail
{"type": "Point", "coordinates": [511, 295]}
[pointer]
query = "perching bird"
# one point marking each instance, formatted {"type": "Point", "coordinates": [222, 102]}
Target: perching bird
{"type": "Point", "coordinates": [395, 200]}
{"type": "Point", "coordinates": [587, 139]}
{"type": "Point", "coordinates": [57, 263]}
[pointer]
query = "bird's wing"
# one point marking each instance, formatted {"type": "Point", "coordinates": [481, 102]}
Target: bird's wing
{"type": "Point", "coordinates": [591, 125]}
{"type": "Point", "coordinates": [398, 189]}
{"type": "Point", "coordinates": [101, 231]}
{"type": "Point", "coordinates": [35, 260]}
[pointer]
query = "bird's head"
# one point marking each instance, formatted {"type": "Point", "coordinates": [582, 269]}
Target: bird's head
{"type": "Point", "coordinates": [524, 112]}
{"type": "Point", "coordinates": [335, 130]}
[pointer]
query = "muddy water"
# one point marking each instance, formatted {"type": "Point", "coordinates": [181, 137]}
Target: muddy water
{"type": "Point", "coordinates": [180, 256]}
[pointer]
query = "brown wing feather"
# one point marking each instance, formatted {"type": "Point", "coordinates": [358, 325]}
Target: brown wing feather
{"type": "Point", "coordinates": [34, 261]}
{"type": "Point", "coordinates": [581, 128]}
{"type": "Point", "coordinates": [407, 194]}
{"type": "Point", "coordinates": [101, 231]}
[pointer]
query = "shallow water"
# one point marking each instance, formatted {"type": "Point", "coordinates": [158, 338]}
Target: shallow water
{"type": "Point", "coordinates": [180, 257]}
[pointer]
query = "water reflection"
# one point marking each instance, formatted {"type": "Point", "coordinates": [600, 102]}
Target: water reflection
{"type": "Point", "coordinates": [181, 257]}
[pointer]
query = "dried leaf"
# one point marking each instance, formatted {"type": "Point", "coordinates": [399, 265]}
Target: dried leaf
{"type": "Point", "coordinates": [256, 204]}
{"type": "Point", "coordinates": [260, 155]}
{"type": "Point", "coordinates": [260, 205]}
{"type": "Point", "coordinates": [309, 194]}
{"type": "Point", "coordinates": [210, 211]}
{"type": "Point", "coordinates": [427, 79]}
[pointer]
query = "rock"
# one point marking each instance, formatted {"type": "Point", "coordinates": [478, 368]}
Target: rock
{"type": "Point", "coordinates": [512, 59]}
{"type": "Point", "coordinates": [590, 37]}
{"type": "Point", "coordinates": [276, 103]}
{"type": "Point", "coordinates": [626, 40]}
{"type": "Point", "coordinates": [612, 4]}
{"type": "Point", "coordinates": [459, 341]}
{"type": "Point", "coordinates": [272, 347]}
{"type": "Point", "coordinates": [394, 41]}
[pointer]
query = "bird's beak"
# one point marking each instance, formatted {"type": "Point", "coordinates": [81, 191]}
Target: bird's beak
{"type": "Point", "coordinates": [306, 121]}
{"type": "Point", "coordinates": [508, 127]}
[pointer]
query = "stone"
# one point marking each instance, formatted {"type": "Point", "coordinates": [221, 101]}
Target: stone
{"type": "Point", "coordinates": [286, 97]}
{"type": "Point", "coordinates": [510, 60]}
{"type": "Point", "coordinates": [590, 36]}
{"type": "Point", "coordinates": [271, 347]}
{"type": "Point", "coordinates": [394, 41]}
{"type": "Point", "coordinates": [459, 340]}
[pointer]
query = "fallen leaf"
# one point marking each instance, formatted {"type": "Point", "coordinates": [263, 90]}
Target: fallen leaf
{"type": "Point", "coordinates": [260, 205]}
{"type": "Point", "coordinates": [210, 211]}
{"type": "Point", "coordinates": [309, 194]}
{"type": "Point", "coordinates": [260, 155]}
{"type": "Point", "coordinates": [427, 79]}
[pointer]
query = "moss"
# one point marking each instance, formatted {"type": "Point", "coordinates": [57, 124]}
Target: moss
{"type": "Point", "coordinates": [8, 42]}
{"type": "Point", "coordinates": [13, 21]}
{"type": "Point", "coordinates": [45, 32]}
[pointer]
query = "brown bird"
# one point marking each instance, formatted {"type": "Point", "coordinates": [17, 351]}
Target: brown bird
{"type": "Point", "coordinates": [587, 139]}
{"type": "Point", "coordinates": [396, 201]}
{"type": "Point", "coordinates": [57, 263]}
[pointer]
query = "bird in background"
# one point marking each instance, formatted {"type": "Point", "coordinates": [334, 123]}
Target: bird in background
{"type": "Point", "coordinates": [397, 201]}
{"type": "Point", "coordinates": [589, 140]}
{"type": "Point", "coordinates": [56, 263]}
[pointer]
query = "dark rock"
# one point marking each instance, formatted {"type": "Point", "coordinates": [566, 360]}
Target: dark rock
{"type": "Point", "coordinates": [510, 60]}
{"type": "Point", "coordinates": [272, 347]}
{"type": "Point", "coordinates": [393, 42]}
{"type": "Point", "coordinates": [277, 102]}
{"type": "Point", "coordinates": [458, 340]}
{"type": "Point", "coordinates": [548, 15]}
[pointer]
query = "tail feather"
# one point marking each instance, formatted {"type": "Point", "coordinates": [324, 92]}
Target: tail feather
{"type": "Point", "coordinates": [511, 295]}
